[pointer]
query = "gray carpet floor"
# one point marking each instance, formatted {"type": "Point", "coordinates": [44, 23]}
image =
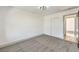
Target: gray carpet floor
{"type": "Point", "coordinates": [43, 43]}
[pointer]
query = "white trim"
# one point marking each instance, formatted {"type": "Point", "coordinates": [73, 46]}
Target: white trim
{"type": "Point", "coordinates": [17, 41]}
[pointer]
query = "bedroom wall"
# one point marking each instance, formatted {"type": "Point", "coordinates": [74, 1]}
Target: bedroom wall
{"type": "Point", "coordinates": [22, 24]}
{"type": "Point", "coordinates": [53, 24]}
{"type": "Point", "coordinates": [3, 12]}
{"type": "Point", "coordinates": [17, 24]}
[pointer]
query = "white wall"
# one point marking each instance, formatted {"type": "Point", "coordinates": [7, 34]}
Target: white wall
{"type": "Point", "coordinates": [19, 24]}
{"type": "Point", "coordinates": [53, 24]}
{"type": "Point", "coordinates": [3, 12]}
{"type": "Point", "coordinates": [47, 25]}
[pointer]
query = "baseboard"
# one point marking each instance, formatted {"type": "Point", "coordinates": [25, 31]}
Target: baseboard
{"type": "Point", "coordinates": [17, 41]}
{"type": "Point", "coordinates": [55, 36]}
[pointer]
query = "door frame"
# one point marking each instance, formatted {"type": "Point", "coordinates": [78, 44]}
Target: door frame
{"type": "Point", "coordinates": [78, 29]}
{"type": "Point", "coordinates": [64, 24]}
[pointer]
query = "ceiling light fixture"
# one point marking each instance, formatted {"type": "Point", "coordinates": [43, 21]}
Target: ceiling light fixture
{"type": "Point", "coordinates": [43, 10]}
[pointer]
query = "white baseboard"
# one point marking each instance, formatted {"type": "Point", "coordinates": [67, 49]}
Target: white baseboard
{"type": "Point", "coordinates": [55, 36]}
{"type": "Point", "coordinates": [17, 41]}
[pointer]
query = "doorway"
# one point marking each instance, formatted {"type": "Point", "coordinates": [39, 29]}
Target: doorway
{"type": "Point", "coordinates": [70, 28]}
